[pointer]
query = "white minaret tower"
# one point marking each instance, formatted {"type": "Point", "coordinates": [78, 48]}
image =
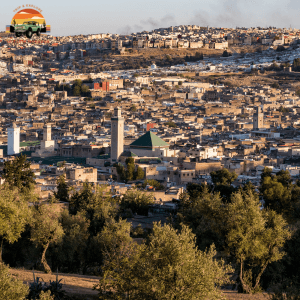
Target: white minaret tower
{"type": "Point", "coordinates": [13, 140]}
{"type": "Point", "coordinates": [47, 144]}
{"type": "Point", "coordinates": [117, 135]}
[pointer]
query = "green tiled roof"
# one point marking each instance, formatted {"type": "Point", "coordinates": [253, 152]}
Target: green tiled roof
{"type": "Point", "coordinates": [30, 143]}
{"type": "Point", "coordinates": [103, 156]}
{"type": "Point", "coordinates": [4, 148]}
{"type": "Point", "coordinates": [55, 159]}
{"type": "Point", "coordinates": [128, 154]}
{"type": "Point", "coordinates": [149, 139]}
{"type": "Point", "coordinates": [132, 154]}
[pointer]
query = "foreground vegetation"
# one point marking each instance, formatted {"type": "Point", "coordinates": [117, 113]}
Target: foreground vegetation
{"type": "Point", "coordinates": [219, 234]}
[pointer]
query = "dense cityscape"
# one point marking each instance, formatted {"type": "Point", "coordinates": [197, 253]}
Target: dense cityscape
{"type": "Point", "coordinates": [177, 142]}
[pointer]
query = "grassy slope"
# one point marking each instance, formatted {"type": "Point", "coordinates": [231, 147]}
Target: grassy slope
{"type": "Point", "coordinates": [81, 287]}
{"type": "Point", "coordinates": [74, 285]}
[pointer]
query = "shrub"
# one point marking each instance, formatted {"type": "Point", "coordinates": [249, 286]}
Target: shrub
{"type": "Point", "coordinates": [38, 289]}
{"type": "Point", "coordinates": [171, 124]}
{"type": "Point", "coordinates": [10, 288]}
{"type": "Point", "coordinates": [154, 183]}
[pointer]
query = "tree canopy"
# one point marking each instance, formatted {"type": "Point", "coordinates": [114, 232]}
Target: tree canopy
{"type": "Point", "coordinates": [222, 180]}
{"type": "Point", "coordinates": [46, 229]}
{"type": "Point", "coordinates": [255, 237]}
{"type": "Point", "coordinates": [280, 194]}
{"type": "Point", "coordinates": [131, 172]}
{"type": "Point", "coordinates": [168, 266]}
{"type": "Point", "coordinates": [14, 215]}
{"type": "Point", "coordinates": [17, 173]}
{"type": "Point", "coordinates": [71, 251]}
{"type": "Point", "coordinates": [62, 193]}
{"type": "Point", "coordinates": [223, 176]}
{"type": "Point", "coordinates": [11, 288]}
{"type": "Point", "coordinates": [152, 182]}
{"type": "Point", "coordinates": [137, 201]}
{"type": "Point", "coordinates": [252, 236]}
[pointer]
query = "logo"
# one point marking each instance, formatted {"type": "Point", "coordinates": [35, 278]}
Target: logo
{"type": "Point", "coordinates": [28, 20]}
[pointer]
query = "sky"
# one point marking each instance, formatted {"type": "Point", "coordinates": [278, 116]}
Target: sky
{"type": "Point", "coordinates": [119, 16]}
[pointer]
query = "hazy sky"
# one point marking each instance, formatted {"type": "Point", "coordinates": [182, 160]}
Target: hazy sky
{"type": "Point", "coordinates": [125, 16]}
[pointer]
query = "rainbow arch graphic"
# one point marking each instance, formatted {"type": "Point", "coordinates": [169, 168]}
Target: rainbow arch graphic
{"type": "Point", "coordinates": [28, 14]}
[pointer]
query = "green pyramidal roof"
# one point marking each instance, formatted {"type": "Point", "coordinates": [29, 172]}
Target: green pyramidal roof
{"type": "Point", "coordinates": [128, 154]}
{"type": "Point", "coordinates": [149, 139]}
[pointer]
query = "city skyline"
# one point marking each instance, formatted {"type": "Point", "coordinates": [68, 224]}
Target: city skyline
{"type": "Point", "coordinates": [69, 18]}
{"type": "Point", "coordinates": [105, 138]}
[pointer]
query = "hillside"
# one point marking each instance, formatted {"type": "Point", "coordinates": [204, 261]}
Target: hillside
{"type": "Point", "coordinates": [76, 286]}
{"type": "Point", "coordinates": [81, 287]}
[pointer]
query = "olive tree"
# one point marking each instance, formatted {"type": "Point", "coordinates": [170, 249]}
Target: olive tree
{"type": "Point", "coordinates": [46, 229]}
{"type": "Point", "coordinates": [252, 237]}
{"type": "Point", "coordinates": [169, 266]}
{"type": "Point", "coordinates": [14, 214]}
{"type": "Point", "coordinates": [11, 288]}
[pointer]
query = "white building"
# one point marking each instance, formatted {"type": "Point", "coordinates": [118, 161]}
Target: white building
{"type": "Point", "coordinates": [205, 152]}
{"type": "Point", "coordinates": [13, 142]}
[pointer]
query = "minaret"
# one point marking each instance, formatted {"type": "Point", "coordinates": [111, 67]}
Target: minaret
{"type": "Point", "coordinates": [47, 133]}
{"type": "Point", "coordinates": [258, 118]}
{"type": "Point", "coordinates": [47, 144]}
{"type": "Point", "coordinates": [13, 140]}
{"type": "Point", "coordinates": [117, 135]}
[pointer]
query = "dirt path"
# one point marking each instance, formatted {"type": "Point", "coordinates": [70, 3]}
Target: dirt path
{"type": "Point", "coordinates": [232, 295]}
{"type": "Point", "coordinates": [73, 284]}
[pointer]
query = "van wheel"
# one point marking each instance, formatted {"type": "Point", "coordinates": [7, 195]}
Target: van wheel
{"type": "Point", "coordinates": [38, 33]}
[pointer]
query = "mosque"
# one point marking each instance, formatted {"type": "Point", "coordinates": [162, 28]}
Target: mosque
{"type": "Point", "coordinates": [148, 145]}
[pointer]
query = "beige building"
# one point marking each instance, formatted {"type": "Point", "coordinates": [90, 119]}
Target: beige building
{"type": "Point", "coordinates": [186, 176]}
{"type": "Point", "coordinates": [83, 174]}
